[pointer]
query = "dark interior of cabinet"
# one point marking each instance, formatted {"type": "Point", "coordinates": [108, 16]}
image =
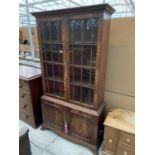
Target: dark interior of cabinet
{"type": "Point", "coordinates": [81, 62]}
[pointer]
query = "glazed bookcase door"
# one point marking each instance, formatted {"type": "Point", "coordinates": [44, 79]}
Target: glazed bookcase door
{"type": "Point", "coordinates": [52, 55]}
{"type": "Point", "coordinates": [82, 59]}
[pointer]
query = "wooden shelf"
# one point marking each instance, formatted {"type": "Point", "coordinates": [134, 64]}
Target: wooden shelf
{"type": "Point", "coordinates": [82, 66]}
{"type": "Point", "coordinates": [82, 103]}
{"type": "Point", "coordinates": [83, 43]}
{"type": "Point", "coordinates": [53, 62]}
{"type": "Point", "coordinates": [51, 42]}
{"type": "Point", "coordinates": [81, 84]}
{"type": "Point", "coordinates": [57, 79]}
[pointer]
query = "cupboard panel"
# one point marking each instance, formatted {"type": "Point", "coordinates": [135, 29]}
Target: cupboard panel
{"type": "Point", "coordinates": [82, 126]}
{"type": "Point", "coordinates": [53, 115]}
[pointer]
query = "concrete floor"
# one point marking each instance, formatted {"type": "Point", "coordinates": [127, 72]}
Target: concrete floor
{"type": "Point", "coordinates": [48, 143]}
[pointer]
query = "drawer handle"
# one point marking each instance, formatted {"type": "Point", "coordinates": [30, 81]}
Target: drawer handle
{"type": "Point", "coordinates": [20, 85]}
{"type": "Point", "coordinates": [22, 95]}
{"type": "Point", "coordinates": [110, 141]}
{"type": "Point", "coordinates": [125, 153]}
{"type": "Point", "coordinates": [27, 116]}
{"type": "Point", "coordinates": [24, 106]}
{"type": "Point", "coordinates": [128, 140]}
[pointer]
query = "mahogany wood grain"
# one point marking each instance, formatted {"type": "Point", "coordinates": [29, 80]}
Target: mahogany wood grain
{"type": "Point", "coordinates": [81, 107]}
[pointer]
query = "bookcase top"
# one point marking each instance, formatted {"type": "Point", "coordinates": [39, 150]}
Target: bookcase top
{"type": "Point", "coordinates": [77, 10]}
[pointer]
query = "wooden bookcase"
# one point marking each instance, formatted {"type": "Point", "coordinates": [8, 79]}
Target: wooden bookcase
{"type": "Point", "coordinates": [73, 50]}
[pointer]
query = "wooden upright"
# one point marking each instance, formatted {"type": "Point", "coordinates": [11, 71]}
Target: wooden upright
{"type": "Point", "coordinates": [73, 51]}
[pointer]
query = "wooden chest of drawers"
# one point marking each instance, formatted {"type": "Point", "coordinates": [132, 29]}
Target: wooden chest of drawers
{"type": "Point", "coordinates": [119, 133]}
{"type": "Point", "coordinates": [30, 91]}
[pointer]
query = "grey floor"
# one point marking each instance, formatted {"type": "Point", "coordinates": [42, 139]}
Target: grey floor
{"type": "Point", "coordinates": [48, 143]}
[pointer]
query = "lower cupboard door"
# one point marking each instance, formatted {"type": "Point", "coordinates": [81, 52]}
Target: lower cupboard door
{"type": "Point", "coordinates": [83, 127]}
{"type": "Point", "coordinates": [53, 115]}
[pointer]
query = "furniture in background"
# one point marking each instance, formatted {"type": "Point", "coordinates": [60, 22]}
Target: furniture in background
{"type": "Point", "coordinates": [30, 91]}
{"type": "Point", "coordinates": [73, 51]}
{"type": "Point", "coordinates": [24, 143]}
{"type": "Point", "coordinates": [119, 133]}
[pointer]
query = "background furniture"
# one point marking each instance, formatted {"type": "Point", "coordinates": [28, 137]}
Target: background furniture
{"type": "Point", "coordinates": [30, 91]}
{"type": "Point", "coordinates": [119, 133]}
{"type": "Point", "coordinates": [24, 143]}
{"type": "Point", "coordinates": [73, 51]}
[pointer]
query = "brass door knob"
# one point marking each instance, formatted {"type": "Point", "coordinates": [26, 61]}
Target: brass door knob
{"type": "Point", "coordinates": [125, 153]}
{"type": "Point", "coordinates": [110, 140]}
{"type": "Point", "coordinates": [128, 140]}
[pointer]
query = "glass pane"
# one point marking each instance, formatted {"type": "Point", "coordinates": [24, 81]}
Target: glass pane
{"type": "Point", "coordinates": [75, 54]}
{"type": "Point", "coordinates": [53, 71]}
{"type": "Point", "coordinates": [56, 88]}
{"type": "Point", "coordinates": [92, 76]}
{"type": "Point", "coordinates": [75, 92]}
{"type": "Point", "coordinates": [41, 30]}
{"type": "Point", "coordinates": [90, 30]}
{"type": "Point", "coordinates": [57, 52]}
{"type": "Point", "coordinates": [93, 58]}
{"type": "Point", "coordinates": [52, 52]}
{"type": "Point", "coordinates": [87, 30]}
{"type": "Point", "coordinates": [71, 55]}
{"type": "Point", "coordinates": [46, 84]}
{"type": "Point", "coordinates": [83, 30]}
{"type": "Point", "coordinates": [75, 29]}
{"type": "Point", "coordinates": [94, 29]}
{"type": "Point", "coordinates": [86, 76]}
{"type": "Point", "coordinates": [51, 38]}
{"type": "Point", "coordinates": [45, 31]}
{"type": "Point", "coordinates": [75, 74]}
{"type": "Point", "coordinates": [82, 52]}
{"type": "Point", "coordinates": [46, 48]}
{"type": "Point", "coordinates": [48, 70]}
{"type": "Point", "coordinates": [51, 31]}
{"type": "Point", "coordinates": [56, 31]}
{"type": "Point", "coordinates": [87, 95]}
{"type": "Point", "coordinates": [71, 92]}
{"type": "Point", "coordinates": [86, 55]}
{"type": "Point", "coordinates": [59, 88]}
{"type": "Point", "coordinates": [89, 55]}
{"type": "Point", "coordinates": [91, 91]}
{"type": "Point", "coordinates": [51, 86]}
{"type": "Point", "coordinates": [58, 72]}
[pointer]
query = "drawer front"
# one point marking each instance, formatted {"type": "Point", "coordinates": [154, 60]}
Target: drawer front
{"type": "Point", "coordinates": [127, 138]}
{"type": "Point", "coordinates": [53, 115]}
{"type": "Point", "coordinates": [27, 108]}
{"type": "Point", "coordinates": [26, 117]}
{"type": "Point", "coordinates": [24, 97]}
{"type": "Point", "coordinates": [83, 126]}
{"type": "Point", "coordinates": [122, 150]}
{"type": "Point", "coordinates": [23, 85]}
{"type": "Point", "coordinates": [111, 137]}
